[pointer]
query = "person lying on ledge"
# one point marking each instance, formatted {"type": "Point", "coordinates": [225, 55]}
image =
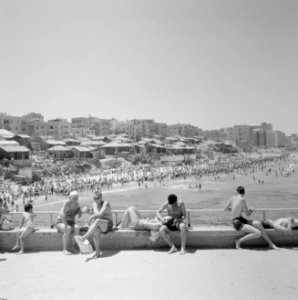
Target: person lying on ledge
{"type": "Point", "coordinates": [174, 221]}
{"type": "Point", "coordinates": [133, 219]}
{"type": "Point", "coordinates": [101, 222]}
{"type": "Point", "coordinates": [254, 229]}
{"type": "Point", "coordinates": [283, 225]}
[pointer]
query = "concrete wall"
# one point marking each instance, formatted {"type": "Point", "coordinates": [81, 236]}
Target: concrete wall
{"type": "Point", "coordinates": [198, 237]}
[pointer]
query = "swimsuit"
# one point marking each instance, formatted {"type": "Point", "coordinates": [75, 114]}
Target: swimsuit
{"type": "Point", "coordinates": [239, 222]}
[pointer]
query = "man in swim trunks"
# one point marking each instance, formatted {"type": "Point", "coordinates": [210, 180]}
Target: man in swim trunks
{"type": "Point", "coordinates": [237, 205]}
{"type": "Point", "coordinates": [101, 222]}
{"type": "Point", "coordinates": [285, 225]}
{"type": "Point", "coordinates": [66, 221]}
{"type": "Point", "coordinates": [175, 220]}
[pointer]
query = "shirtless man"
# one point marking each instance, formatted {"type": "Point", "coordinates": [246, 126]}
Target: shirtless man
{"type": "Point", "coordinates": [26, 227]}
{"type": "Point", "coordinates": [175, 220]}
{"type": "Point", "coordinates": [101, 222]}
{"type": "Point", "coordinates": [285, 225]}
{"type": "Point", "coordinates": [66, 221]}
{"type": "Point", "coordinates": [237, 205]}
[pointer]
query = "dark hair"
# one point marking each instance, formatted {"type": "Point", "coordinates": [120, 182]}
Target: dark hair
{"type": "Point", "coordinates": [240, 190]}
{"type": "Point", "coordinates": [27, 207]}
{"type": "Point", "coordinates": [172, 199]}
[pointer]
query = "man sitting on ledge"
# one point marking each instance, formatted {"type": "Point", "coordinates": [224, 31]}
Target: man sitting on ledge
{"type": "Point", "coordinates": [101, 222]}
{"type": "Point", "coordinates": [237, 205]}
{"type": "Point", "coordinates": [66, 221]}
{"type": "Point", "coordinates": [173, 221]}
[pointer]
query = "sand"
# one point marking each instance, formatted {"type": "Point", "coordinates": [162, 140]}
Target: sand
{"type": "Point", "coordinates": [200, 274]}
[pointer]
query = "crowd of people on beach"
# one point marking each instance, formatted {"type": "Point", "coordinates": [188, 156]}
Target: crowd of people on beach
{"type": "Point", "coordinates": [15, 194]}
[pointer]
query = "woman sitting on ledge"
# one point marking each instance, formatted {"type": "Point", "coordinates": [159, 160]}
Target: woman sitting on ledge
{"type": "Point", "coordinates": [133, 219]}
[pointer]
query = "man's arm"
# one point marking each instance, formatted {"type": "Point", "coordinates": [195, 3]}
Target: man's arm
{"type": "Point", "coordinates": [228, 205]}
{"type": "Point", "coordinates": [101, 212]}
{"type": "Point", "coordinates": [158, 213]}
{"type": "Point", "coordinates": [246, 210]}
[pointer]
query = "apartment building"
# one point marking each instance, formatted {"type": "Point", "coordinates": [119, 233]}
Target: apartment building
{"type": "Point", "coordinates": [243, 135]}
{"type": "Point", "coordinates": [59, 128]}
{"type": "Point", "coordinates": [259, 138]}
{"type": "Point", "coordinates": [187, 130]}
{"type": "Point", "coordinates": [101, 126]}
{"type": "Point", "coordinates": [12, 123]}
{"type": "Point", "coordinates": [173, 130]}
{"type": "Point", "coordinates": [161, 129]}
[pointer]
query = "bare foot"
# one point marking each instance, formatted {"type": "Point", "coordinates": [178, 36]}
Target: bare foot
{"type": "Point", "coordinates": [173, 250]}
{"type": "Point", "coordinates": [65, 252]}
{"type": "Point", "coordinates": [16, 247]}
{"type": "Point", "coordinates": [182, 251]}
{"type": "Point", "coordinates": [237, 244]}
{"type": "Point", "coordinates": [20, 252]}
{"type": "Point", "coordinates": [274, 247]}
{"type": "Point", "coordinates": [95, 255]}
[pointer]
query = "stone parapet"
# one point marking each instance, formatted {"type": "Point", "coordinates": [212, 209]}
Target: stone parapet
{"type": "Point", "coordinates": [45, 239]}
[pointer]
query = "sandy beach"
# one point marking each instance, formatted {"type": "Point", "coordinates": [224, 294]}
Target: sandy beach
{"type": "Point", "coordinates": [201, 274]}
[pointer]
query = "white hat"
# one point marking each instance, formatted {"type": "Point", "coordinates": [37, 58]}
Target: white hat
{"type": "Point", "coordinates": [73, 193]}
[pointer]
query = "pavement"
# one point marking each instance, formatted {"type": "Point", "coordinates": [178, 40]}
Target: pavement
{"type": "Point", "coordinates": [148, 274]}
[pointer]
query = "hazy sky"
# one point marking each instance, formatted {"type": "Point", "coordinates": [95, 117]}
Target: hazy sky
{"type": "Point", "coordinates": [210, 63]}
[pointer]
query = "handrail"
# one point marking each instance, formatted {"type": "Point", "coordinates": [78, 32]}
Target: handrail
{"type": "Point", "coordinates": [116, 212]}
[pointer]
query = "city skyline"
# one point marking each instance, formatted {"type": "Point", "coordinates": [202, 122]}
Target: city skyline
{"type": "Point", "coordinates": [212, 64]}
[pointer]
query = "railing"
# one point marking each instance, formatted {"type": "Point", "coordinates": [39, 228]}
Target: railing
{"type": "Point", "coordinates": [50, 216]}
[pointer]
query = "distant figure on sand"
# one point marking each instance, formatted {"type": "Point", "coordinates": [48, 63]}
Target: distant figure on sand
{"type": "Point", "coordinates": [26, 227]}
{"type": "Point", "coordinates": [101, 222]}
{"type": "Point", "coordinates": [254, 229]}
{"type": "Point", "coordinates": [66, 221]}
{"type": "Point", "coordinates": [175, 220]}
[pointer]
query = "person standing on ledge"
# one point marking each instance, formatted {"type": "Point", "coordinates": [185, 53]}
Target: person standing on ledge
{"type": "Point", "coordinates": [174, 221]}
{"type": "Point", "coordinates": [254, 229]}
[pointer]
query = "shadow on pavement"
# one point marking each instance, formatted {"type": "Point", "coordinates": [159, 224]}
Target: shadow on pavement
{"type": "Point", "coordinates": [188, 250]}
{"type": "Point", "coordinates": [104, 255]}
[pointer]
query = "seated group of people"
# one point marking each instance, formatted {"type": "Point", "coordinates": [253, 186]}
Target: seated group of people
{"type": "Point", "coordinates": [101, 222]}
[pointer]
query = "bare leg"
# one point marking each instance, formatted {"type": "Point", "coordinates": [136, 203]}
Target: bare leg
{"type": "Point", "coordinates": [25, 232]}
{"type": "Point", "coordinates": [253, 233]}
{"type": "Point", "coordinates": [96, 240]}
{"type": "Point", "coordinates": [17, 245]}
{"type": "Point", "coordinates": [183, 235]}
{"type": "Point", "coordinates": [98, 224]}
{"type": "Point", "coordinates": [130, 217]}
{"type": "Point", "coordinates": [258, 225]}
{"type": "Point", "coordinates": [165, 235]}
{"type": "Point", "coordinates": [65, 239]}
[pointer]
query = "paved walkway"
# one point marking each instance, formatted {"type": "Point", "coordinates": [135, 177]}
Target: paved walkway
{"type": "Point", "coordinates": [200, 274]}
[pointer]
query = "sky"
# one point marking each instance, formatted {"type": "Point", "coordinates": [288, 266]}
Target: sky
{"type": "Point", "coordinates": [209, 63]}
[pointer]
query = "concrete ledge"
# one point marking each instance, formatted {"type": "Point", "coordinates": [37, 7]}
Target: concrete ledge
{"type": "Point", "coordinates": [45, 239]}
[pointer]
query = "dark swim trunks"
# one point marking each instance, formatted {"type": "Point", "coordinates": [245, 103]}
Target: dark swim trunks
{"type": "Point", "coordinates": [239, 222]}
{"type": "Point", "coordinates": [267, 225]}
{"type": "Point", "coordinates": [173, 224]}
